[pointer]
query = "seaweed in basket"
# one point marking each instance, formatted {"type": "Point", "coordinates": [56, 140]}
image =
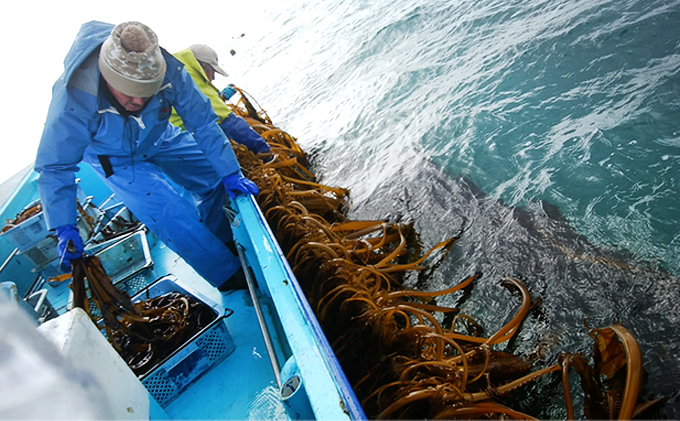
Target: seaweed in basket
{"type": "Point", "coordinates": [146, 332]}
{"type": "Point", "coordinates": [173, 319]}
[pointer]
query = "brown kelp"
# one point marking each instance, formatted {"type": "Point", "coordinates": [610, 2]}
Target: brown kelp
{"type": "Point", "coordinates": [144, 332]}
{"type": "Point", "coordinates": [406, 356]}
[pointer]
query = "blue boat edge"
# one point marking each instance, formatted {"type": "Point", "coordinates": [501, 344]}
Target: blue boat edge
{"type": "Point", "coordinates": [311, 351]}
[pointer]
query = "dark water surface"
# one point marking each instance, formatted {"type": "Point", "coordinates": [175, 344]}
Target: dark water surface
{"type": "Point", "coordinates": [548, 132]}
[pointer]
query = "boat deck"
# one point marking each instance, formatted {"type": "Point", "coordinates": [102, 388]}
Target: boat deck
{"type": "Point", "coordinates": [244, 384]}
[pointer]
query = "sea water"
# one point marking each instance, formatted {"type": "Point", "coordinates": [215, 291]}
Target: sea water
{"type": "Point", "coordinates": [546, 133]}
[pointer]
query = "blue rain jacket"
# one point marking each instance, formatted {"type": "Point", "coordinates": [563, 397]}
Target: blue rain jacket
{"type": "Point", "coordinates": [81, 123]}
{"type": "Point", "coordinates": [233, 126]}
{"type": "Point", "coordinates": [142, 153]}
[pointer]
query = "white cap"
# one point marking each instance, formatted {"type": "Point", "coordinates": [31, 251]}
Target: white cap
{"type": "Point", "coordinates": [207, 55]}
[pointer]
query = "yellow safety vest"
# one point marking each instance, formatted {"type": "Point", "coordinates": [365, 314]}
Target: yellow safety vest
{"type": "Point", "coordinates": [198, 75]}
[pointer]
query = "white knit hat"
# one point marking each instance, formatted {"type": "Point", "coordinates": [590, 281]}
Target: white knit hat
{"type": "Point", "coordinates": [131, 61]}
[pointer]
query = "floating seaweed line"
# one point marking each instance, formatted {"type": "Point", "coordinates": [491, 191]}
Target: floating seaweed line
{"type": "Point", "coordinates": [400, 360]}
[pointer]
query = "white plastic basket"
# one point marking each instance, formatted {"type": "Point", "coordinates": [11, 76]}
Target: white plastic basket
{"type": "Point", "coordinates": [33, 230]}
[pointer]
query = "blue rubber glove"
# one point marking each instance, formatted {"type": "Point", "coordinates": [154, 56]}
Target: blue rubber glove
{"type": "Point", "coordinates": [261, 147]}
{"type": "Point", "coordinates": [237, 183]}
{"type": "Point", "coordinates": [64, 234]}
{"type": "Point", "coordinates": [227, 92]}
{"type": "Point", "coordinates": [238, 130]}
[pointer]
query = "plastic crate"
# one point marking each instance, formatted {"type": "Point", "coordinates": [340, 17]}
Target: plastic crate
{"type": "Point", "coordinates": [28, 233]}
{"type": "Point", "coordinates": [34, 230]}
{"type": "Point", "coordinates": [41, 254]}
{"type": "Point", "coordinates": [212, 344]}
{"type": "Point", "coordinates": [39, 246]}
{"type": "Point", "coordinates": [126, 257]}
{"type": "Point", "coordinates": [121, 259]}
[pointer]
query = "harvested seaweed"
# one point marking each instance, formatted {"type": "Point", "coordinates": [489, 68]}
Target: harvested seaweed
{"type": "Point", "coordinates": [173, 319]}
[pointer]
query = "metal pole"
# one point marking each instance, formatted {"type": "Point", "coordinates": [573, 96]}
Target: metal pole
{"type": "Point", "coordinates": [260, 317]}
{"type": "Point", "coordinates": [14, 253]}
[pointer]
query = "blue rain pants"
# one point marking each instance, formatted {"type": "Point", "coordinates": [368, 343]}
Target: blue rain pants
{"type": "Point", "coordinates": [197, 232]}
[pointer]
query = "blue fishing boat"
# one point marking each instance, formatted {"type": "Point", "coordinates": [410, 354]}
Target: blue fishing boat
{"type": "Point", "coordinates": [263, 355]}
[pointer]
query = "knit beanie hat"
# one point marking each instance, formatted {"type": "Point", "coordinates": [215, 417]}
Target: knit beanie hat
{"type": "Point", "coordinates": [131, 61]}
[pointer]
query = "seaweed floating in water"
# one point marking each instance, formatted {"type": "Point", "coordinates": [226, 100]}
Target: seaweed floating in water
{"type": "Point", "coordinates": [401, 361]}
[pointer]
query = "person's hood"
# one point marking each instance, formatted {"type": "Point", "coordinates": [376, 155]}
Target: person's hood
{"type": "Point", "coordinates": [90, 36]}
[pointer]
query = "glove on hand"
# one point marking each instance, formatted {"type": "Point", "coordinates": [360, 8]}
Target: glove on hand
{"type": "Point", "coordinates": [227, 92]}
{"type": "Point", "coordinates": [239, 130]}
{"type": "Point", "coordinates": [261, 147]}
{"type": "Point", "coordinates": [236, 183]}
{"type": "Point", "coordinates": [266, 156]}
{"type": "Point", "coordinates": [64, 234]}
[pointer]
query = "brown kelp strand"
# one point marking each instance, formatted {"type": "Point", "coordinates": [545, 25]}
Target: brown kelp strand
{"type": "Point", "coordinates": [402, 362]}
{"type": "Point", "coordinates": [112, 303]}
{"type": "Point", "coordinates": [145, 332]}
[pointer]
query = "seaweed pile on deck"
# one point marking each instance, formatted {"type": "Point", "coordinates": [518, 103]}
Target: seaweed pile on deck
{"type": "Point", "coordinates": [401, 361]}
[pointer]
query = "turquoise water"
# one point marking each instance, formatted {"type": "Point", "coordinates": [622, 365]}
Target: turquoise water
{"type": "Point", "coordinates": [546, 132]}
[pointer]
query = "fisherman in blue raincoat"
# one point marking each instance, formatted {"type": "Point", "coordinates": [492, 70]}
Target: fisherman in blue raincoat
{"type": "Point", "coordinates": [110, 108]}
